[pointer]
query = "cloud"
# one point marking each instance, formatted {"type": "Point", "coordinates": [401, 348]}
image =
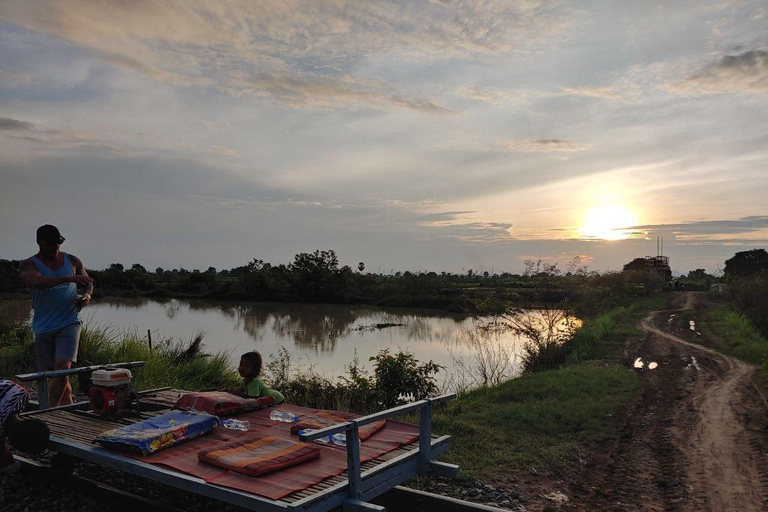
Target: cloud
{"type": "Point", "coordinates": [475, 232]}
{"type": "Point", "coordinates": [45, 140]}
{"type": "Point", "coordinates": [294, 46]}
{"type": "Point", "coordinates": [223, 151]}
{"type": "Point", "coordinates": [318, 92]}
{"type": "Point", "coordinates": [438, 217]}
{"type": "Point", "coordinates": [150, 71]}
{"type": "Point", "coordinates": [720, 228]}
{"type": "Point", "coordinates": [605, 93]}
{"type": "Point", "coordinates": [745, 73]}
{"type": "Point", "coordinates": [16, 77]}
{"type": "Point", "coordinates": [8, 124]}
{"type": "Point", "coordinates": [546, 145]}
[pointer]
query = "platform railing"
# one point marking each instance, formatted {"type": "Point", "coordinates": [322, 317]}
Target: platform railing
{"type": "Point", "coordinates": [354, 500]}
{"type": "Point", "coordinates": [42, 377]}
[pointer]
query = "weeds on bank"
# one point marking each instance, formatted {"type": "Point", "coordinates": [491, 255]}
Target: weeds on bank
{"type": "Point", "coordinates": [172, 362]}
{"type": "Point", "coordinates": [397, 378]}
{"type": "Point", "coordinates": [727, 331]}
{"type": "Point", "coordinates": [538, 420]}
{"type": "Point", "coordinates": [535, 421]}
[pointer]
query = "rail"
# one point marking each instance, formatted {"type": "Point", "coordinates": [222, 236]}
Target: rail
{"type": "Point", "coordinates": [42, 377]}
{"type": "Point", "coordinates": [355, 490]}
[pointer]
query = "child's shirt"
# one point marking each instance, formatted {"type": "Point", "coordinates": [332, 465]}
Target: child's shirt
{"type": "Point", "coordinates": [13, 399]}
{"type": "Point", "coordinates": [256, 388]}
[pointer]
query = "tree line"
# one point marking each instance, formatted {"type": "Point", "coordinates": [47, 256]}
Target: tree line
{"type": "Point", "coordinates": [318, 277]}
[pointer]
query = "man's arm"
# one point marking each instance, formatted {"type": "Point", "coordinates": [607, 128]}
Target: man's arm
{"type": "Point", "coordinates": [87, 289]}
{"type": "Point", "coordinates": [33, 279]}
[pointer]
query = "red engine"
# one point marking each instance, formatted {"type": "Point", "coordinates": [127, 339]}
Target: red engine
{"type": "Point", "coordinates": [111, 391]}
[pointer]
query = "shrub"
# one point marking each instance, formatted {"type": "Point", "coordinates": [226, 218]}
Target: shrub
{"type": "Point", "coordinates": [397, 379]}
{"type": "Point", "coordinates": [750, 297]}
{"type": "Point", "coordinates": [401, 379]}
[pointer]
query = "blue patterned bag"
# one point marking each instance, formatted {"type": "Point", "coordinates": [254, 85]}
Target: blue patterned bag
{"type": "Point", "coordinates": [160, 432]}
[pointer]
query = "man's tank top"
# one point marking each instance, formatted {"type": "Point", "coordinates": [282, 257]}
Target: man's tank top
{"type": "Point", "coordinates": [53, 306]}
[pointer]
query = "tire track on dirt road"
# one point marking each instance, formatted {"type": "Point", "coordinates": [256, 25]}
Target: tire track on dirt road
{"type": "Point", "coordinates": [723, 470]}
{"type": "Point", "coordinates": [694, 440]}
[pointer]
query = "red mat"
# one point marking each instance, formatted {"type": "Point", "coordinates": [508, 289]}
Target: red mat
{"type": "Point", "coordinates": [332, 460]}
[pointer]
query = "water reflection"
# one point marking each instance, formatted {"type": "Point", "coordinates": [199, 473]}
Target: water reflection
{"type": "Point", "coordinates": [327, 336]}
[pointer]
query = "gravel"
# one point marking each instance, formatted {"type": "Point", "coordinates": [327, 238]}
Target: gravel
{"type": "Point", "coordinates": [28, 491]}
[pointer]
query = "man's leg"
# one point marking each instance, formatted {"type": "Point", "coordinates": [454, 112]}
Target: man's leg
{"type": "Point", "coordinates": [67, 343]}
{"type": "Point", "coordinates": [45, 349]}
{"type": "Point", "coordinates": [59, 390]}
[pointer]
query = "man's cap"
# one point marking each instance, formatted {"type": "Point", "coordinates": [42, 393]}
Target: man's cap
{"type": "Point", "coordinates": [49, 233]}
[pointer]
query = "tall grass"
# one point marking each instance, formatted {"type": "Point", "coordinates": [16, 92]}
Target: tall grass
{"type": "Point", "coordinates": [173, 362]}
{"type": "Point", "coordinates": [730, 332]}
{"type": "Point", "coordinates": [492, 359]}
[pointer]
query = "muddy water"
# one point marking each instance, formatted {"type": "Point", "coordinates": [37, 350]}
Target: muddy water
{"type": "Point", "coordinates": [324, 337]}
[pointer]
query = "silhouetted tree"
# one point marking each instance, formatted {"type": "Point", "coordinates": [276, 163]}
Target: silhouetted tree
{"type": "Point", "coordinates": [635, 264]}
{"type": "Point", "coordinates": [747, 263]}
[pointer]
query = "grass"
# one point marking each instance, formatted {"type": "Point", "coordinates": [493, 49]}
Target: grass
{"type": "Point", "coordinates": [178, 363]}
{"type": "Point", "coordinates": [535, 421]}
{"type": "Point", "coordinates": [604, 336]}
{"type": "Point", "coordinates": [731, 333]}
{"type": "Point", "coordinates": [726, 331]}
{"type": "Point", "coordinates": [541, 419]}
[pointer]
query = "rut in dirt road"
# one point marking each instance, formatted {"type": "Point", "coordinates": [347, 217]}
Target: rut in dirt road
{"type": "Point", "coordinates": [694, 441]}
{"type": "Point", "coordinates": [723, 471]}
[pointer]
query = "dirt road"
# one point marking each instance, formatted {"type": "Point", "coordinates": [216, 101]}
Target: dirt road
{"type": "Point", "coordinates": [696, 440]}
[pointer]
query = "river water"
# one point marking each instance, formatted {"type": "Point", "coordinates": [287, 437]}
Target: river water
{"type": "Point", "coordinates": [322, 337]}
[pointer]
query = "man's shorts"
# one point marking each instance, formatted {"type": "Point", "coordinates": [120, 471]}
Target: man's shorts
{"type": "Point", "coordinates": [59, 344]}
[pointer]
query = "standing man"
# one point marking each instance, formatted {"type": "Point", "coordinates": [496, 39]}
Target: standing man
{"type": "Point", "coordinates": [55, 279]}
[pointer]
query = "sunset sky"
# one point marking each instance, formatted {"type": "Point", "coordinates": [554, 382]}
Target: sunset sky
{"type": "Point", "coordinates": [431, 135]}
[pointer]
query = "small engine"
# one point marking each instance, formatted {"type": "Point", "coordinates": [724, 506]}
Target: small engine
{"type": "Point", "coordinates": [111, 391]}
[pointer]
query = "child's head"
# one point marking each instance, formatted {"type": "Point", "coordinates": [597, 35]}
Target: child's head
{"type": "Point", "coordinates": [250, 365]}
{"type": "Point", "coordinates": [28, 435]}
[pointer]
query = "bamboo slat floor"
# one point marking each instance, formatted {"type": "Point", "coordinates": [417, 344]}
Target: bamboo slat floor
{"type": "Point", "coordinates": [82, 427]}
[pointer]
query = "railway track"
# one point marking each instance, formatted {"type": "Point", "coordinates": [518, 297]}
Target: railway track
{"type": "Point", "coordinates": [59, 473]}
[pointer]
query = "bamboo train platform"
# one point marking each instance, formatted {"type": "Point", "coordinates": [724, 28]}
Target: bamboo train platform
{"type": "Point", "coordinates": [74, 427]}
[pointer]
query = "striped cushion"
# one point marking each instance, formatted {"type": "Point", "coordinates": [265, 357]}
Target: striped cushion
{"type": "Point", "coordinates": [218, 403]}
{"type": "Point", "coordinates": [322, 419]}
{"type": "Point", "coordinates": [259, 456]}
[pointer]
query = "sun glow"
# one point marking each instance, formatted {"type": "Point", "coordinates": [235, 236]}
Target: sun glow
{"type": "Point", "coordinates": [608, 222]}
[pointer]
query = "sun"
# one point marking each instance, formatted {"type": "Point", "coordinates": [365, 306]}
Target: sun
{"type": "Point", "coordinates": [608, 222]}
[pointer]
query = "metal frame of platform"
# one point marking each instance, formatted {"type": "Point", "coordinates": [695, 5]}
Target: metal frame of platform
{"type": "Point", "coordinates": [352, 490]}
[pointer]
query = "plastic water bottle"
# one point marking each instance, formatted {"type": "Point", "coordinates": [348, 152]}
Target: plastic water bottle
{"type": "Point", "coordinates": [283, 416]}
{"type": "Point", "coordinates": [234, 424]}
{"type": "Point", "coordinates": [341, 439]}
{"type": "Point", "coordinates": [324, 440]}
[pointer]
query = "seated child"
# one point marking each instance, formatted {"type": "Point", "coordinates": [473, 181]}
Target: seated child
{"type": "Point", "coordinates": [27, 435]}
{"type": "Point", "coordinates": [253, 387]}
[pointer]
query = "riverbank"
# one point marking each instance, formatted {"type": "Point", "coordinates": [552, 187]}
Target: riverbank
{"type": "Point", "coordinates": [519, 441]}
{"type": "Point", "coordinates": [529, 435]}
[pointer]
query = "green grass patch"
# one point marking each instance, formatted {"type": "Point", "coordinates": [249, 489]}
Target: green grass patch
{"type": "Point", "coordinates": [535, 421]}
{"type": "Point", "coordinates": [604, 336]}
{"type": "Point", "coordinates": [178, 363]}
{"type": "Point", "coordinates": [726, 331]}
{"type": "Point", "coordinates": [540, 419]}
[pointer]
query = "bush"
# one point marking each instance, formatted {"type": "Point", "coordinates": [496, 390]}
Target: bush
{"type": "Point", "coordinates": [397, 379]}
{"type": "Point", "coordinates": [750, 297]}
{"type": "Point", "coordinates": [401, 379]}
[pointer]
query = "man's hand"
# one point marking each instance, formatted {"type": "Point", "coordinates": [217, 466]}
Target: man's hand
{"type": "Point", "coordinates": [81, 280]}
{"type": "Point", "coordinates": [80, 301]}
